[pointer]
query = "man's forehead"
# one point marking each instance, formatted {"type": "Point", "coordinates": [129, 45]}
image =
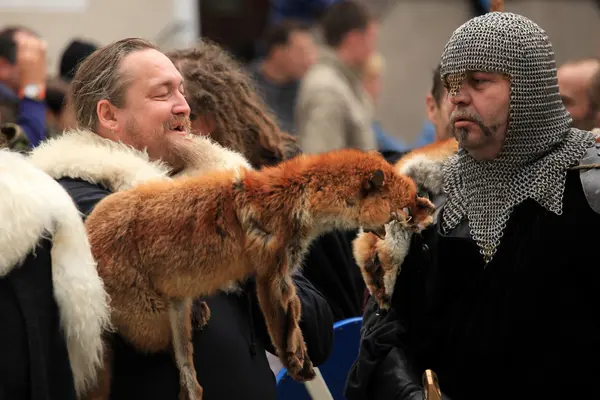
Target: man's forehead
{"type": "Point", "coordinates": [150, 67]}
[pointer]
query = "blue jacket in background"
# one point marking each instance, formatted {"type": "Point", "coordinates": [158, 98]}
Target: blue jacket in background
{"type": "Point", "coordinates": [387, 143]}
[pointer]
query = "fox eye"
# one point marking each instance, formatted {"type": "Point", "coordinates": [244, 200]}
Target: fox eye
{"type": "Point", "coordinates": [423, 193]}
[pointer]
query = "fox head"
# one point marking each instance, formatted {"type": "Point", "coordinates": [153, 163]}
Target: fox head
{"type": "Point", "coordinates": [361, 189]}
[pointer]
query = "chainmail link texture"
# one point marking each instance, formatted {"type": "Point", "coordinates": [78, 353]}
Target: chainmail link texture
{"type": "Point", "coordinates": [540, 144]}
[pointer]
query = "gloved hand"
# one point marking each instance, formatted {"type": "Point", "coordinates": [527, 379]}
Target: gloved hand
{"type": "Point", "coordinates": [382, 370]}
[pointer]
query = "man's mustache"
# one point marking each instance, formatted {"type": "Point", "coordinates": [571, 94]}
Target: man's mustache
{"type": "Point", "coordinates": [178, 120]}
{"type": "Point", "coordinates": [469, 116]}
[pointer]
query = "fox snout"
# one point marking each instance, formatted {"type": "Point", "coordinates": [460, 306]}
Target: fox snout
{"type": "Point", "coordinates": [422, 213]}
{"type": "Point", "coordinates": [417, 216]}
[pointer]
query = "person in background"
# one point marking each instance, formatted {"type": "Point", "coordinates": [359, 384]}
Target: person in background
{"type": "Point", "coordinates": [23, 82]}
{"type": "Point", "coordinates": [391, 148]}
{"type": "Point", "coordinates": [226, 107]}
{"type": "Point", "coordinates": [290, 52]}
{"type": "Point", "coordinates": [438, 107]}
{"type": "Point", "coordinates": [435, 127]}
{"type": "Point", "coordinates": [74, 53]}
{"type": "Point", "coordinates": [59, 112]}
{"type": "Point", "coordinates": [579, 85]}
{"type": "Point", "coordinates": [333, 110]}
{"type": "Point", "coordinates": [60, 115]}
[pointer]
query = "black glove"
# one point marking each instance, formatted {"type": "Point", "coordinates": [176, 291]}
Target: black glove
{"type": "Point", "coordinates": [381, 370]}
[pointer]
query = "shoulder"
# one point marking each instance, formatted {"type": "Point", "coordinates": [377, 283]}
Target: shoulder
{"type": "Point", "coordinates": [30, 204]}
{"type": "Point", "coordinates": [85, 195]}
{"type": "Point", "coordinates": [323, 77]}
{"type": "Point", "coordinates": [588, 172]}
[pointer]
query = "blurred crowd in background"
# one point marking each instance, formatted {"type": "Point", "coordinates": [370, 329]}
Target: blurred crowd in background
{"type": "Point", "coordinates": [317, 71]}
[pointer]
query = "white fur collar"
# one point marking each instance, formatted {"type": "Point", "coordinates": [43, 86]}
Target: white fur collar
{"type": "Point", "coordinates": [32, 206]}
{"type": "Point", "coordinates": [85, 155]}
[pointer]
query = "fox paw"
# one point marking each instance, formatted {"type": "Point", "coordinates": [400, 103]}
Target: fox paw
{"type": "Point", "coordinates": [189, 388]}
{"type": "Point", "coordinates": [299, 366]}
{"type": "Point", "coordinates": [195, 394]}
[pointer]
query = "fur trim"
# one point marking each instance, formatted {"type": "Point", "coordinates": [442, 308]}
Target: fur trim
{"type": "Point", "coordinates": [85, 155]}
{"type": "Point", "coordinates": [426, 172]}
{"type": "Point", "coordinates": [116, 166]}
{"type": "Point", "coordinates": [33, 206]}
{"type": "Point", "coordinates": [425, 164]}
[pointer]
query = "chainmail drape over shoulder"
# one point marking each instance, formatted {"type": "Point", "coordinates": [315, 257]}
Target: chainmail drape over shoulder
{"type": "Point", "coordinates": [540, 144]}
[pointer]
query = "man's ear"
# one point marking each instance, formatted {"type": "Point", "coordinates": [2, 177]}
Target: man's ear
{"type": "Point", "coordinates": [107, 115]}
{"type": "Point", "coordinates": [431, 107]}
{"type": "Point", "coordinates": [374, 182]}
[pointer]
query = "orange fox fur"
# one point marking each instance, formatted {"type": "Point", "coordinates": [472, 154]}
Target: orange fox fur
{"type": "Point", "coordinates": [162, 244]}
{"type": "Point", "coordinates": [380, 256]}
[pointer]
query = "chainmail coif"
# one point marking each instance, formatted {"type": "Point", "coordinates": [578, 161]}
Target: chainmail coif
{"type": "Point", "coordinates": [540, 144]}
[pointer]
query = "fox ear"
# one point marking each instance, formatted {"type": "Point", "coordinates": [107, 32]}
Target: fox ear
{"type": "Point", "coordinates": [374, 182]}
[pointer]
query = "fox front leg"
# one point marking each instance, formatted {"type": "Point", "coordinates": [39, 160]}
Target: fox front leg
{"type": "Point", "coordinates": [180, 319]}
{"type": "Point", "coordinates": [282, 308]}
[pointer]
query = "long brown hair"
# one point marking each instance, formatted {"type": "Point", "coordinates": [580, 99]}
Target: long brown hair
{"type": "Point", "coordinates": [219, 89]}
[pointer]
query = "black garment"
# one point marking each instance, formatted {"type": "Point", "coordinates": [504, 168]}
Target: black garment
{"type": "Point", "coordinates": [330, 266]}
{"type": "Point", "coordinates": [524, 327]}
{"type": "Point", "coordinates": [229, 354]}
{"type": "Point", "coordinates": [34, 362]}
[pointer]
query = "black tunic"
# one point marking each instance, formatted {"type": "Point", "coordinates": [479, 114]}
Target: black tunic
{"type": "Point", "coordinates": [34, 362]}
{"type": "Point", "coordinates": [526, 326]}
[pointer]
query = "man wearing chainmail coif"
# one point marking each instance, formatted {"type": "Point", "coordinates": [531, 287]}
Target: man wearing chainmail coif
{"type": "Point", "coordinates": [499, 297]}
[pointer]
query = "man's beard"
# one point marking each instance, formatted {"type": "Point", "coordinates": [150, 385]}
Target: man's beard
{"type": "Point", "coordinates": [177, 151]}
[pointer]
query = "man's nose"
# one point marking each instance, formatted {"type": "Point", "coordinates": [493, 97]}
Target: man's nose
{"type": "Point", "coordinates": [182, 106]}
{"type": "Point", "coordinates": [461, 96]}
